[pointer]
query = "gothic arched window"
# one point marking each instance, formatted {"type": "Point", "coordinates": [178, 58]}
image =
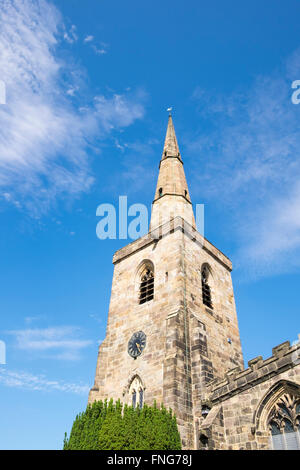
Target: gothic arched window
{"type": "Point", "coordinates": [136, 392]}
{"type": "Point", "coordinates": [284, 423]}
{"type": "Point", "coordinates": [146, 285]}
{"type": "Point", "coordinates": [206, 290]}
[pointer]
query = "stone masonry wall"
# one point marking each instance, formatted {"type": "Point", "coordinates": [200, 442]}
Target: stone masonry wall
{"type": "Point", "coordinates": [243, 395]}
{"type": "Point", "coordinates": [162, 366]}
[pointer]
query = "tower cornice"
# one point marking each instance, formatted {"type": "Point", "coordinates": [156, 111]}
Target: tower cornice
{"type": "Point", "coordinates": [178, 223]}
{"type": "Point", "coordinates": [172, 194]}
{"type": "Point", "coordinates": [170, 156]}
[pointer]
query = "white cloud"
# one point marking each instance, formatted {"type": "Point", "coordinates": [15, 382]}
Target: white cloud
{"type": "Point", "coordinates": [56, 342]}
{"type": "Point", "coordinates": [88, 38]}
{"type": "Point", "coordinates": [273, 236]}
{"type": "Point", "coordinates": [252, 168]}
{"type": "Point", "coordinates": [45, 137]}
{"type": "Point", "coordinates": [120, 111]}
{"type": "Point", "coordinates": [25, 380]}
{"type": "Point", "coordinates": [95, 317]}
{"type": "Point", "coordinates": [71, 36]}
{"type": "Point", "coordinates": [29, 320]}
{"type": "Point", "coordinates": [71, 91]}
{"type": "Point", "coordinates": [99, 50]}
{"type": "Point", "coordinates": [10, 199]}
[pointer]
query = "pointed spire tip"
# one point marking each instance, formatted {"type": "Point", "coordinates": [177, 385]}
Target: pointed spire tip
{"type": "Point", "coordinates": [171, 146]}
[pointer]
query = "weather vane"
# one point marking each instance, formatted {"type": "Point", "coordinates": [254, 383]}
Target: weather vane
{"type": "Point", "coordinates": [169, 111]}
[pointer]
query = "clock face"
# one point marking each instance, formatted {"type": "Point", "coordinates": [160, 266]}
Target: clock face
{"type": "Point", "coordinates": [136, 344]}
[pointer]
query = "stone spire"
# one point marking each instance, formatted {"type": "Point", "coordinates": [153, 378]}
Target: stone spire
{"type": "Point", "coordinates": [171, 148]}
{"type": "Point", "coordinates": [172, 196]}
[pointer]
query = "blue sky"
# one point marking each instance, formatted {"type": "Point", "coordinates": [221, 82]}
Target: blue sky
{"type": "Point", "coordinates": [87, 85]}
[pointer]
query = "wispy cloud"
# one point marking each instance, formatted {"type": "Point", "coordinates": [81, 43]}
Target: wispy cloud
{"type": "Point", "coordinates": [99, 50]}
{"type": "Point", "coordinates": [120, 110]}
{"type": "Point", "coordinates": [56, 342]}
{"type": "Point", "coordinates": [135, 176]}
{"type": "Point", "coordinates": [45, 134]}
{"type": "Point", "coordinates": [252, 166]}
{"type": "Point", "coordinates": [88, 38]}
{"type": "Point", "coordinates": [25, 380]}
{"type": "Point", "coordinates": [71, 35]}
{"type": "Point", "coordinates": [97, 318]}
{"type": "Point", "coordinates": [32, 319]}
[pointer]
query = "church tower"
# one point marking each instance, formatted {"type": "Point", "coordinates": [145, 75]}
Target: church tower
{"type": "Point", "coordinates": [172, 325]}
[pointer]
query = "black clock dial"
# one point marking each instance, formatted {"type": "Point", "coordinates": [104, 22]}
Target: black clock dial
{"type": "Point", "coordinates": [136, 344]}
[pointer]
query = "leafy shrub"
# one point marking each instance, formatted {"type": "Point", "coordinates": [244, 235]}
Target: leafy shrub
{"type": "Point", "coordinates": [114, 426]}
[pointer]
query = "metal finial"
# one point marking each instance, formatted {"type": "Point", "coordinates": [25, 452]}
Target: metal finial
{"type": "Point", "coordinates": [169, 111]}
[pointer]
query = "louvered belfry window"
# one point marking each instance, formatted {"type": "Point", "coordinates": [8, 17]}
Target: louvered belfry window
{"type": "Point", "coordinates": [206, 291]}
{"type": "Point", "coordinates": [147, 286]}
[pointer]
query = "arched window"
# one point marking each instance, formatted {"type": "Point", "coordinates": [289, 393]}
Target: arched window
{"type": "Point", "coordinates": [206, 290]}
{"type": "Point", "coordinates": [146, 285]}
{"type": "Point", "coordinates": [284, 423]}
{"type": "Point", "coordinates": [136, 392]}
{"type": "Point", "coordinates": [160, 192]}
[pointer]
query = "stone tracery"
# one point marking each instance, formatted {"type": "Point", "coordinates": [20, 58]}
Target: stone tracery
{"type": "Point", "coordinates": [284, 418]}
